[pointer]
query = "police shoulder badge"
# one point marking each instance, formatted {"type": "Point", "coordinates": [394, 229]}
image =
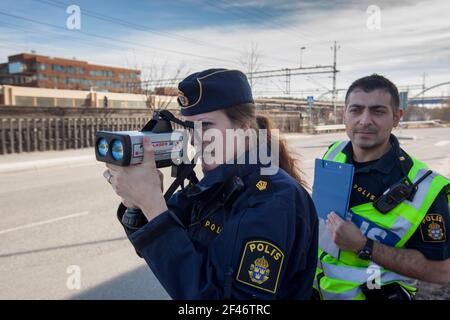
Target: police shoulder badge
{"type": "Point", "coordinates": [432, 228]}
{"type": "Point", "coordinates": [261, 185]}
{"type": "Point", "coordinates": [260, 265]}
{"type": "Point", "coordinates": [182, 99]}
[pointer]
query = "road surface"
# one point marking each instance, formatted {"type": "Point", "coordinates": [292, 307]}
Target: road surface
{"type": "Point", "coordinates": [57, 222]}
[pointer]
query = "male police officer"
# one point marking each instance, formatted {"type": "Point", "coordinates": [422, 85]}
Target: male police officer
{"type": "Point", "coordinates": [395, 236]}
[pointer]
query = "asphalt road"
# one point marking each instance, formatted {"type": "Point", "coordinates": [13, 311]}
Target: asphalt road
{"type": "Point", "coordinates": [57, 213]}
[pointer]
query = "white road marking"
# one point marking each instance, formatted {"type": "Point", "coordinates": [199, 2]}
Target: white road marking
{"type": "Point", "coordinates": [442, 143]}
{"type": "Point", "coordinates": [35, 224]}
{"type": "Point", "coordinates": [45, 163]}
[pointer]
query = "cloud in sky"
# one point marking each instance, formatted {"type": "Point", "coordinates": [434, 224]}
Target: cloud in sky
{"type": "Point", "coordinates": [414, 37]}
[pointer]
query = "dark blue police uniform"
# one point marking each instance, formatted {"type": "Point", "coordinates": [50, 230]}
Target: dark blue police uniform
{"type": "Point", "coordinates": [372, 178]}
{"type": "Point", "coordinates": [262, 244]}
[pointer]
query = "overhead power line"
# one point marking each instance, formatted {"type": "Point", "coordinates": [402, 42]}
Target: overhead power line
{"type": "Point", "coordinates": [119, 41]}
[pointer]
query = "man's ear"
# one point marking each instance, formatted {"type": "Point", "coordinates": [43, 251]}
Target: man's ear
{"type": "Point", "coordinates": [397, 116]}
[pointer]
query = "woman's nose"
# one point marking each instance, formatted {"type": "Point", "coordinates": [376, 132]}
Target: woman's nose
{"type": "Point", "coordinates": [195, 137]}
{"type": "Point", "coordinates": [192, 138]}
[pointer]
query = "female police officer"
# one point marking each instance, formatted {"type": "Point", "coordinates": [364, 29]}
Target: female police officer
{"type": "Point", "coordinates": [262, 244]}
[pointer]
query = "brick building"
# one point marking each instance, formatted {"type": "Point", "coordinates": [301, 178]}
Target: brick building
{"type": "Point", "coordinates": [33, 70]}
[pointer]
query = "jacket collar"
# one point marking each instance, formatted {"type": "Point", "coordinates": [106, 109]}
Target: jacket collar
{"type": "Point", "coordinates": [241, 168]}
{"type": "Point", "coordinates": [385, 164]}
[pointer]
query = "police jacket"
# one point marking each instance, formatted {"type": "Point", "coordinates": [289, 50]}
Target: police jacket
{"type": "Point", "coordinates": [262, 244]}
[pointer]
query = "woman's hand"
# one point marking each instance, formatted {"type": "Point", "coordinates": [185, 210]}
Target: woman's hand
{"type": "Point", "coordinates": [139, 185]}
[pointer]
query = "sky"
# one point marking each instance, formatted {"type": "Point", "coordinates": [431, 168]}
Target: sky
{"type": "Point", "coordinates": [407, 41]}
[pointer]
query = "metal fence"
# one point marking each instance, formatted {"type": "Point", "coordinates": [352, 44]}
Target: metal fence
{"type": "Point", "coordinates": [42, 134]}
{"type": "Point", "coordinates": [29, 134]}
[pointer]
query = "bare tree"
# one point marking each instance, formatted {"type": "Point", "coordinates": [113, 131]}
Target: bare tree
{"type": "Point", "coordinates": [159, 75]}
{"type": "Point", "coordinates": [154, 75]}
{"type": "Point", "coordinates": [251, 62]}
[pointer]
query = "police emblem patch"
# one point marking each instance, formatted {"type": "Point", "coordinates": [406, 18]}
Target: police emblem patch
{"type": "Point", "coordinates": [435, 231]}
{"type": "Point", "coordinates": [259, 271]}
{"type": "Point", "coordinates": [432, 228]}
{"type": "Point", "coordinates": [182, 99]}
{"type": "Point", "coordinates": [260, 266]}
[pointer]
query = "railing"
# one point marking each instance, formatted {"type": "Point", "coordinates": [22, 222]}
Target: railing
{"type": "Point", "coordinates": [408, 124]}
{"type": "Point", "coordinates": [403, 124]}
{"type": "Point", "coordinates": [19, 135]}
{"type": "Point", "coordinates": [329, 128]}
{"type": "Point", "coordinates": [43, 134]}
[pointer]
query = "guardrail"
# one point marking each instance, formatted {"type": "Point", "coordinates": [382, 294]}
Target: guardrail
{"type": "Point", "coordinates": [407, 124]}
{"type": "Point", "coordinates": [30, 134]}
{"type": "Point", "coordinates": [403, 124]}
{"type": "Point", "coordinates": [329, 128]}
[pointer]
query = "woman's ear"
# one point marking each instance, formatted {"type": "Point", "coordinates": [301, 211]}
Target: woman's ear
{"type": "Point", "coordinates": [244, 126]}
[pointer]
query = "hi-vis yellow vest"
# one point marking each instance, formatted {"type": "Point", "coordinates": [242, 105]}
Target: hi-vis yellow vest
{"type": "Point", "coordinates": [341, 279]}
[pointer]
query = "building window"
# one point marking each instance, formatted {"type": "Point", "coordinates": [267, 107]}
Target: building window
{"type": "Point", "coordinates": [45, 102]}
{"type": "Point", "coordinates": [73, 80]}
{"type": "Point", "coordinates": [100, 73]}
{"type": "Point", "coordinates": [58, 68]}
{"type": "Point", "coordinates": [16, 67]}
{"type": "Point", "coordinates": [6, 81]}
{"type": "Point", "coordinates": [24, 101]}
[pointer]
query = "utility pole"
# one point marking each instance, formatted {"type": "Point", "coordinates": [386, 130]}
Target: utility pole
{"type": "Point", "coordinates": [335, 48]}
{"type": "Point", "coordinates": [301, 55]}
{"type": "Point", "coordinates": [423, 88]}
{"type": "Point", "coordinates": [288, 81]}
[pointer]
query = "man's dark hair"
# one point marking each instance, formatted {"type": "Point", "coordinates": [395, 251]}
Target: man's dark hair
{"type": "Point", "coordinates": [373, 82]}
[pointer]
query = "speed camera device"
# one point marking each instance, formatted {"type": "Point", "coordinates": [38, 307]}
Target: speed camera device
{"type": "Point", "coordinates": [125, 148]}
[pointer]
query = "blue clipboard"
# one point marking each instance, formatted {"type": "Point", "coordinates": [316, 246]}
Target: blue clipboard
{"type": "Point", "coordinates": [331, 192]}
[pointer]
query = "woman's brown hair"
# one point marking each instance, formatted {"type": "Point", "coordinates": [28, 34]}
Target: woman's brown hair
{"type": "Point", "coordinates": [246, 114]}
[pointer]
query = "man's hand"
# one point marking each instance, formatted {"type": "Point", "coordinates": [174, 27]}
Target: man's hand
{"type": "Point", "coordinates": [140, 185]}
{"type": "Point", "coordinates": [407, 262]}
{"type": "Point", "coordinates": [345, 234]}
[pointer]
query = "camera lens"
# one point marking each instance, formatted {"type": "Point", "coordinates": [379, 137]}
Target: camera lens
{"type": "Point", "coordinates": [102, 147]}
{"type": "Point", "coordinates": [117, 150]}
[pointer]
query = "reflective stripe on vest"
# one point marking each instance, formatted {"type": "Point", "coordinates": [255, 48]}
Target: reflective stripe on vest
{"type": "Point", "coordinates": [422, 190]}
{"type": "Point", "coordinates": [338, 147]}
{"type": "Point", "coordinates": [343, 277]}
{"type": "Point", "coordinates": [362, 275]}
{"type": "Point", "coordinates": [346, 295]}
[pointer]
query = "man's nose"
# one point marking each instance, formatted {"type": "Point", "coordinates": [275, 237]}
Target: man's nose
{"type": "Point", "coordinates": [365, 118]}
